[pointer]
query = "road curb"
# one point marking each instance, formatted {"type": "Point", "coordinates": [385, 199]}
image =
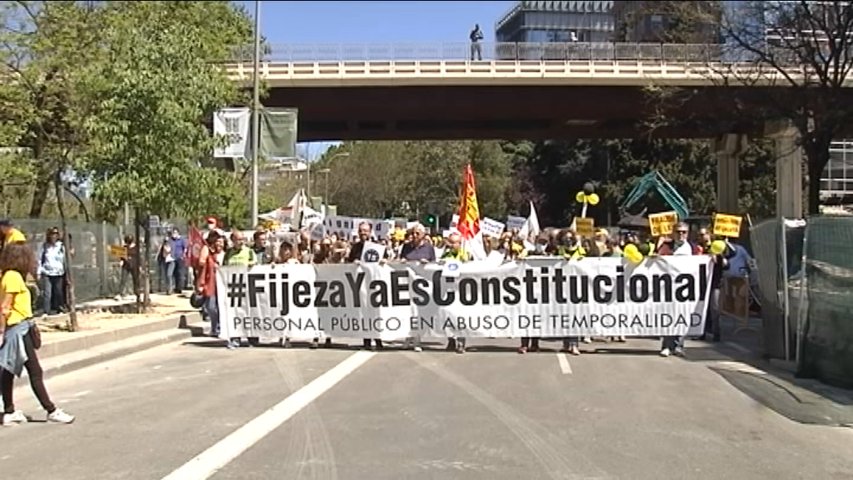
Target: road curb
{"type": "Point", "coordinates": [76, 344]}
{"type": "Point", "coordinates": [118, 343]}
{"type": "Point", "coordinates": [93, 356]}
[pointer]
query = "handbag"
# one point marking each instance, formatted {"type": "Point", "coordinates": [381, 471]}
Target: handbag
{"type": "Point", "coordinates": [35, 334]}
{"type": "Point", "coordinates": [196, 300]}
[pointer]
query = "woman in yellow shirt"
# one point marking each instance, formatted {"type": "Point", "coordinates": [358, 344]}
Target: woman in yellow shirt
{"type": "Point", "coordinates": [16, 262]}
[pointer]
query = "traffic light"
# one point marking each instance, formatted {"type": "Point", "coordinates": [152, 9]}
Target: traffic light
{"type": "Point", "coordinates": [431, 220]}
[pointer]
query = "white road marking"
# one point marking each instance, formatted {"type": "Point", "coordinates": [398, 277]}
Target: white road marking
{"type": "Point", "coordinates": [739, 348]}
{"type": "Point", "coordinates": [564, 363]}
{"type": "Point", "coordinates": [220, 454]}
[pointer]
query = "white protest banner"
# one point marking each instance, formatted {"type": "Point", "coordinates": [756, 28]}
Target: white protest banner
{"type": "Point", "coordinates": [515, 223]}
{"type": "Point", "coordinates": [233, 124]}
{"type": "Point", "coordinates": [372, 252]}
{"type": "Point", "coordinates": [343, 227]}
{"type": "Point", "coordinates": [492, 228]}
{"type": "Point", "coordinates": [318, 232]}
{"type": "Point", "coordinates": [380, 228]}
{"type": "Point", "coordinates": [535, 298]}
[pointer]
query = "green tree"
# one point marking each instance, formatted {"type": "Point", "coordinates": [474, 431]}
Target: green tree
{"type": "Point", "coordinates": [47, 46]}
{"type": "Point", "coordinates": [159, 84]}
{"type": "Point", "coordinates": [415, 177]}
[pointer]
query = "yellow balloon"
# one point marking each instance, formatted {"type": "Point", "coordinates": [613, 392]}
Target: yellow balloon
{"type": "Point", "coordinates": [718, 247]}
{"type": "Point", "coordinates": [632, 253]}
{"type": "Point", "coordinates": [636, 258]}
{"type": "Point", "coordinates": [592, 199]}
{"type": "Point", "coordinates": [580, 196]}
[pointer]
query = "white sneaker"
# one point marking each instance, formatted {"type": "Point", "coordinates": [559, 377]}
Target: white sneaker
{"type": "Point", "coordinates": [665, 352]}
{"type": "Point", "coordinates": [419, 349]}
{"type": "Point", "coordinates": [14, 418]}
{"type": "Point", "coordinates": [58, 416]}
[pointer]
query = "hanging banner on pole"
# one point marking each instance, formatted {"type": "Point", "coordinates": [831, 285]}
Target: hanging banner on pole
{"type": "Point", "coordinates": [232, 124]}
{"type": "Point", "coordinates": [535, 298]}
{"type": "Point", "coordinates": [278, 133]}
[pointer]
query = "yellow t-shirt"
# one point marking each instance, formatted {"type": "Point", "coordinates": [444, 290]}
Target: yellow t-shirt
{"type": "Point", "coordinates": [13, 284]}
{"type": "Point", "coordinates": [15, 236]}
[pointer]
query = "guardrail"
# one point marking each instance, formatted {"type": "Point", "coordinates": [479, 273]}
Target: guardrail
{"type": "Point", "coordinates": [465, 51]}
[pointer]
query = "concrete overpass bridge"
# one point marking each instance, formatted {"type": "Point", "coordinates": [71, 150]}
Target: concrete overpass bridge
{"type": "Point", "coordinates": [526, 91]}
{"type": "Point", "coordinates": [518, 91]}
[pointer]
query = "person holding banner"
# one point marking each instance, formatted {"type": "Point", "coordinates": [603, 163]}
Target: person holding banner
{"type": "Point", "coordinates": [364, 234]}
{"type": "Point", "coordinates": [453, 251]}
{"type": "Point", "coordinates": [419, 248]}
{"type": "Point", "coordinates": [242, 255]}
{"type": "Point", "coordinates": [678, 246]}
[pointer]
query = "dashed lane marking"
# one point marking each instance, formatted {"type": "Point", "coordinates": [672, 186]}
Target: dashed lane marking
{"type": "Point", "coordinates": [564, 364]}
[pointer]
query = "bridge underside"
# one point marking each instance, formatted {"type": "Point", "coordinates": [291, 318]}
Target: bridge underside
{"type": "Point", "coordinates": [501, 112]}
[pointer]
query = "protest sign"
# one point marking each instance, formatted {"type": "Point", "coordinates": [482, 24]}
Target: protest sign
{"type": "Point", "coordinates": [492, 228]}
{"type": "Point", "coordinates": [727, 225]}
{"type": "Point", "coordinates": [372, 252]}
{"type": "Point", "coordinates": [535, 298]}
{"type": "Point", "coordinates": [515, 223]}
{"type": "Point", "coordinates": [585, 227]}
{"type": "Point", "coordinates": [662, 223]}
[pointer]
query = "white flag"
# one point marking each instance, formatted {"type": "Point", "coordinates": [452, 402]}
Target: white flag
{"type": "Point", "coordinates": [531, 225]}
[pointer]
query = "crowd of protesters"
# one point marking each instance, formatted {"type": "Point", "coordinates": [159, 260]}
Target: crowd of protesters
{"type": "Point", "coordinates": [416, 245]}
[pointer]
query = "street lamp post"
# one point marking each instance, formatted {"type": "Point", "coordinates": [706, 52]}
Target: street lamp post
{"type": "Point", "coordinates": [256, 105]}
{"type": "Point", "coordinates": [325, 172]}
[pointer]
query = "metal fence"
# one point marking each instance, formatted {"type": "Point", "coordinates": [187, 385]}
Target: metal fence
{"type": "Point", "coordinates": [805, 279]}
{"type": "Point", "coordinates": [96, 274]}
{"type": "Point", "coordinates": [826, 349]}
{"type": "Point", "coordinates": [462, 51]}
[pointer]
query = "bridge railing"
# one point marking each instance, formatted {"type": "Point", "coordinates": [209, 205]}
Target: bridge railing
{"type": "Point", "coordinates": [462, 51]}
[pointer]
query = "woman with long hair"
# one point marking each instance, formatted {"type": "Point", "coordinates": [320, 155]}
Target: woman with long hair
{"type": "Point", "coordinates": [16, 331]}
{"type": "Point", "coordinates": [209, 261]}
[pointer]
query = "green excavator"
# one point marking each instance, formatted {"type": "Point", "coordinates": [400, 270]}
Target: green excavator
{"type": "Point", "coordinates": [651, 181]}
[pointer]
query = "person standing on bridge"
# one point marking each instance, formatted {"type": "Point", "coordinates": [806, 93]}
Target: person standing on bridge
{"type": "Point", "coordinates": [476, 48]}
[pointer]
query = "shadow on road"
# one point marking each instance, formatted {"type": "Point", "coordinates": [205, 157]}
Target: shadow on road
{"type": "Point", "coordinates": [739, 360]}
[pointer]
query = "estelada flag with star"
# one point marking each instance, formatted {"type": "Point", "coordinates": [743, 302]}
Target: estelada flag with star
{"type": "Point", "coordinates": [469, 211]}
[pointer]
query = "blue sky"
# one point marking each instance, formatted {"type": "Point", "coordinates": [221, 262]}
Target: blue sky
{"type": "Point", "coordinates": [373, 22]}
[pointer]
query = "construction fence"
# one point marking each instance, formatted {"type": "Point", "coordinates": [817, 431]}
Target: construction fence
{"type": "Point", "coordinates": [805, 271]}
{"type": "Point", "coordinates": [96, 273]}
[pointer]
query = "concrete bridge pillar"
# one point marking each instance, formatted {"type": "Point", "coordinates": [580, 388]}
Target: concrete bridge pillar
{"type": "Point", "coordinates": [727, 149]}
{"type": "Point", "coordinates": [789, 168]}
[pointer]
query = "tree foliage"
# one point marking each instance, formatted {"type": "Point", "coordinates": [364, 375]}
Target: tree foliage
{"type": "Point", "coordinates": [414, 177]}
{"type": "Point", "coordinates": [157, 87]}
{"type": "Point", "coordinates": [806, 47]}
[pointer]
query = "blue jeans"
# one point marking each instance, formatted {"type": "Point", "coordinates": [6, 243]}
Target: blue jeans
{"type": "Point", "coordinates": [211, 309]}
{"type": "Point", "coordinates": [167, 274]}
{"type": "Point", "coordinates": [53, 294]}
{"type": "Point", "coordinates": [179, 275]}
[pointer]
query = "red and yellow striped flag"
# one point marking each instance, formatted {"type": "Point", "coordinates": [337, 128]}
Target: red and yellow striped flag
{"type": "Point", "coordinates": [469, 211]}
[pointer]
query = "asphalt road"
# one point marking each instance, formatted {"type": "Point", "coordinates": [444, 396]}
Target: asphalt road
{"type": "Point", "coordinates": [197, 409]}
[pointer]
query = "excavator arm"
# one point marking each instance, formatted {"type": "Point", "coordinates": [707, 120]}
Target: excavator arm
{"type": "Point", "coordinates": [654, 180]}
